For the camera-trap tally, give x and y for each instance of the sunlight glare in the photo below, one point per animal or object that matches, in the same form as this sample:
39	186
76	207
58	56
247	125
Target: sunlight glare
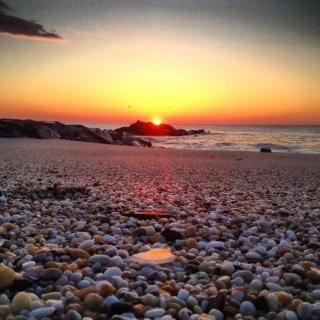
156	121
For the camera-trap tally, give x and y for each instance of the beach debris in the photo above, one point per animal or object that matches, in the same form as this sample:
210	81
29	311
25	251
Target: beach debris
158	256
148	215
265	150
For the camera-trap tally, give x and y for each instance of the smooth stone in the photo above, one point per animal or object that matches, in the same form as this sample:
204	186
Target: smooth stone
4	311
78	253
109	239
116	261
73	315
150	300
217	245
290	315
42	312
227	267
274	287
28	265
110	300
217	314
273	302
304	310
238	295
4	299
183	294
51	274
191	243
247	308
246	275
83	284
184	313
51	296
22	300
86	245
105	288
7	276
93	301
57	304
251	255
155	313
315	294
291	278
113	271
37	304
256	285
153	289
192	302
99	258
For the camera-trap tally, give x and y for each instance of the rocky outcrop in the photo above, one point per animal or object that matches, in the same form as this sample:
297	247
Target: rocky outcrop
140	128
13	128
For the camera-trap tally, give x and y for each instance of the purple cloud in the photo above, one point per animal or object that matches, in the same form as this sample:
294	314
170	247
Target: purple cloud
19	27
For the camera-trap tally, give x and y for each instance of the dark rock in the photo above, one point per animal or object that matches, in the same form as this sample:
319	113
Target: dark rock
265	150
261	304
14	128
218	302
140	128
120	307
172	235
21	284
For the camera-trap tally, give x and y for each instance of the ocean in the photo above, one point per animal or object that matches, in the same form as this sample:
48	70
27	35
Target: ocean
292	139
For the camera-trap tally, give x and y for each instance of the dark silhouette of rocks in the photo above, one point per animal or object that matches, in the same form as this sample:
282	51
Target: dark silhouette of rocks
14	128
265	150
140	128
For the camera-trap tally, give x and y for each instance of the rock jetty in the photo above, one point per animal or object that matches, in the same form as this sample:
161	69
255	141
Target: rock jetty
141	128
14	128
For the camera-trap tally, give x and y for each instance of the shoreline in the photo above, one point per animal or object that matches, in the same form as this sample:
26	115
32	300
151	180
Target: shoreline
25	139
242	229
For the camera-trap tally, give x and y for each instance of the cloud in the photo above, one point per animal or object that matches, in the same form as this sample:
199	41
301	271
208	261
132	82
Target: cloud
23	28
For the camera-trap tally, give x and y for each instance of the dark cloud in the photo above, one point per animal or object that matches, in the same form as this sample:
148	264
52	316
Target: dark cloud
19	27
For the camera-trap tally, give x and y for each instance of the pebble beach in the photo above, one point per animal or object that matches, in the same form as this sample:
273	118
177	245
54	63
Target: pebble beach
242	228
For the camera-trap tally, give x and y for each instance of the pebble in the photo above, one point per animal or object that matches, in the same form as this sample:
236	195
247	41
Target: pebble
22	300
247	308
93	301
7	276
304	310
113	272
227	267
242	250
42	312
155	313
105	288
183	294
99	258
86	245
246	275
51	274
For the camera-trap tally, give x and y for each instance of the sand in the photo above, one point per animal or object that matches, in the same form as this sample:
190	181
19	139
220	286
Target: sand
249	222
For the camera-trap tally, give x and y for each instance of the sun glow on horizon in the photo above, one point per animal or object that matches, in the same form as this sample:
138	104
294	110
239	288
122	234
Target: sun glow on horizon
156	121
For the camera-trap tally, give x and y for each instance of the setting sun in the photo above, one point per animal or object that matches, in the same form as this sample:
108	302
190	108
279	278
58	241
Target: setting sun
156	121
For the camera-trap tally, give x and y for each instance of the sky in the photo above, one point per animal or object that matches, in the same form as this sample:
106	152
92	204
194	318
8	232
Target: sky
183	61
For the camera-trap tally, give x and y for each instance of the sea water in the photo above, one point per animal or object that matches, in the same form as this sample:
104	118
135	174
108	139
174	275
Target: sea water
293	139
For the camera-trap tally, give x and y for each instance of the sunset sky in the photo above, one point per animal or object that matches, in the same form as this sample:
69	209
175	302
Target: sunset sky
184	61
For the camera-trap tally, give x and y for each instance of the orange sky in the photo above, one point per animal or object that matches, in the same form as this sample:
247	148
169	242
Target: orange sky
163	67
